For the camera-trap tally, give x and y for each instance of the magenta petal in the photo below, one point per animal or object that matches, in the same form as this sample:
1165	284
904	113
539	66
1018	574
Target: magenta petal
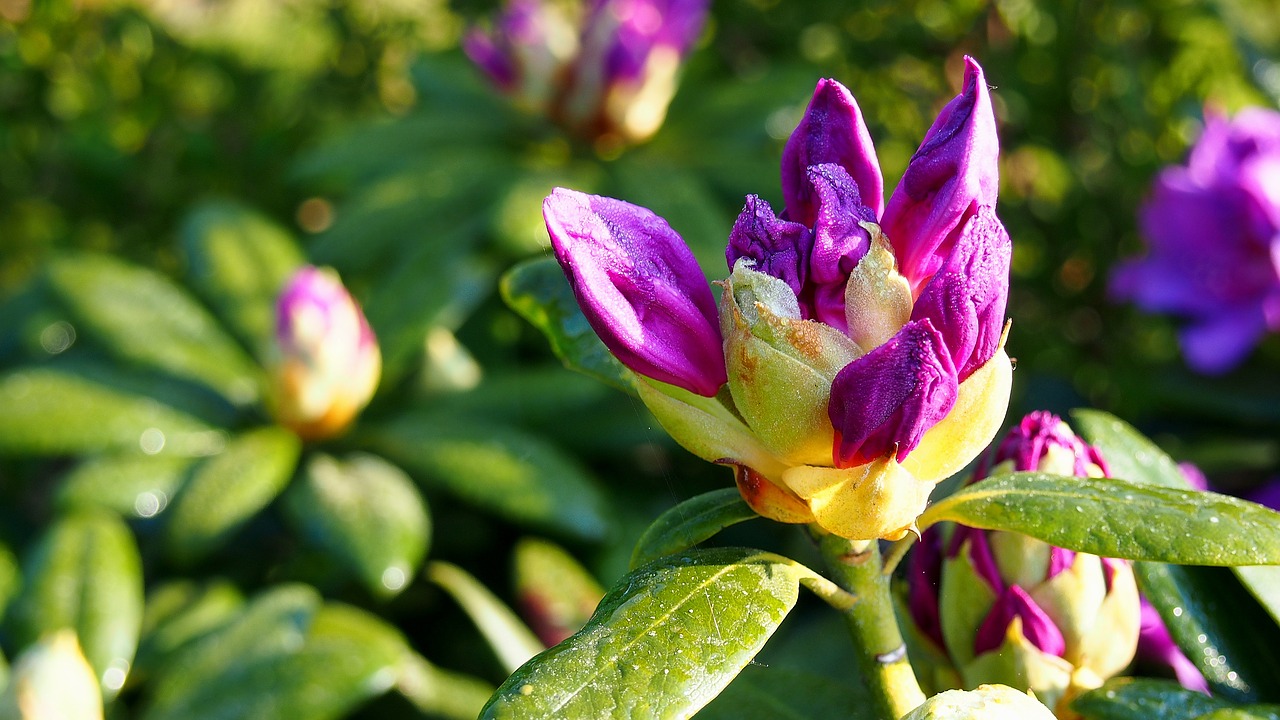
884	401
839	242
625	33
831	131
967	296
639	287
954	172
485	53
1037	627
980	556
778	247
1061	558
1157	646
924	577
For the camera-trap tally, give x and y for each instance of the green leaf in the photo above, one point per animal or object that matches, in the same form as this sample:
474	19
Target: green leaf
344	657
1218	626
664	642
505	471
145	318
538	290
763	692
136	485
180	612
510	638
441	693
556	594
51	412
1248	712
228	489
689	523
85	574
1131	455
1140	699
239	261
1119	519
366	512
10	580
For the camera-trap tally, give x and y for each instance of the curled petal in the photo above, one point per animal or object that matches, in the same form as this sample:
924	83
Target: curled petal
954	172
1155	644
1037	627
876	500
886	400
639	287
966	298
832	131
778	247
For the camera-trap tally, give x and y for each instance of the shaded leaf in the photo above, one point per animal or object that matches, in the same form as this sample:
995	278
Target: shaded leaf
180	612
556	594
1218	626
143	317
689	523
496	468
85	574
1248	712
228	489
50	411
137	485
1116	518
763	692
239	261
1141	699
538	290
441	693
510	638
368	513
664	641
1263	582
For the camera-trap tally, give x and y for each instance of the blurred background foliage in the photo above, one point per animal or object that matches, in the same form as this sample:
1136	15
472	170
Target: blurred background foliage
355	134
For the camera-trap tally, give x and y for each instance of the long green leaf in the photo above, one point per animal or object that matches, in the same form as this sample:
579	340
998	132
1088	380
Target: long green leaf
1248	712
1140	699
135	485
85	574
538	290
557	595
368	513
441	693
1231	640
664	642
511	639
179	612
228	489
689	523
1115	518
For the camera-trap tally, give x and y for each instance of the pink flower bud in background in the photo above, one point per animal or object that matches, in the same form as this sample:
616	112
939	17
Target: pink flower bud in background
327	363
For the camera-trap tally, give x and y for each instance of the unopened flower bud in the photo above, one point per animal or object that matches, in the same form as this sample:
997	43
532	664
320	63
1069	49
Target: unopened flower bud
326	364
986	702
51	680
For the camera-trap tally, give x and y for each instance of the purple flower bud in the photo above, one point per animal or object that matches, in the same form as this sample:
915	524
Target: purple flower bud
839	241
327	362
831	131
884	401
980	555
1213	235
628	31
1041	441
1037	626
639	287
954	173
924	575
777	247
1195	477
966	298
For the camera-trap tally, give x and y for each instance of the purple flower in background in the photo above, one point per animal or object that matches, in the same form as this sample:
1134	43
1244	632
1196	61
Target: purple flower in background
1000	607
1213	242
607	74
840	386
326	363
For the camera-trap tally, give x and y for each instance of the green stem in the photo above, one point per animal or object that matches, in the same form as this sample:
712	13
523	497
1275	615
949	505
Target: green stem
882	654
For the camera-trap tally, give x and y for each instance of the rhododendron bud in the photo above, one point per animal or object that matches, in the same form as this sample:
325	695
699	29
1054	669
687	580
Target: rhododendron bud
326	363
52	680
837	397
986	702
996	606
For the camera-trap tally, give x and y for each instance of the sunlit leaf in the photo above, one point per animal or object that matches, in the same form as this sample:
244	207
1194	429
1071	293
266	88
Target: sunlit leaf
368	513
511	639
439	692
85	574
664	641
137	485
538	290
1140	699
1115	518
689	523
179	612
227	489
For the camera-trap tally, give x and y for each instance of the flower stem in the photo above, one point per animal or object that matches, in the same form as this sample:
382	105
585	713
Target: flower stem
882	655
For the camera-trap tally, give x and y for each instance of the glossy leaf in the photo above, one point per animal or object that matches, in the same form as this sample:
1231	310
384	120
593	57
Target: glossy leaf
238	261
180	612
1215	622
556	594
538	290
143	317
48	411
496	468
664	641
84	574
1248	712
228	489
1142	699
510	639
1116	518
131	485
764	692
1263	582
366	512
689	523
